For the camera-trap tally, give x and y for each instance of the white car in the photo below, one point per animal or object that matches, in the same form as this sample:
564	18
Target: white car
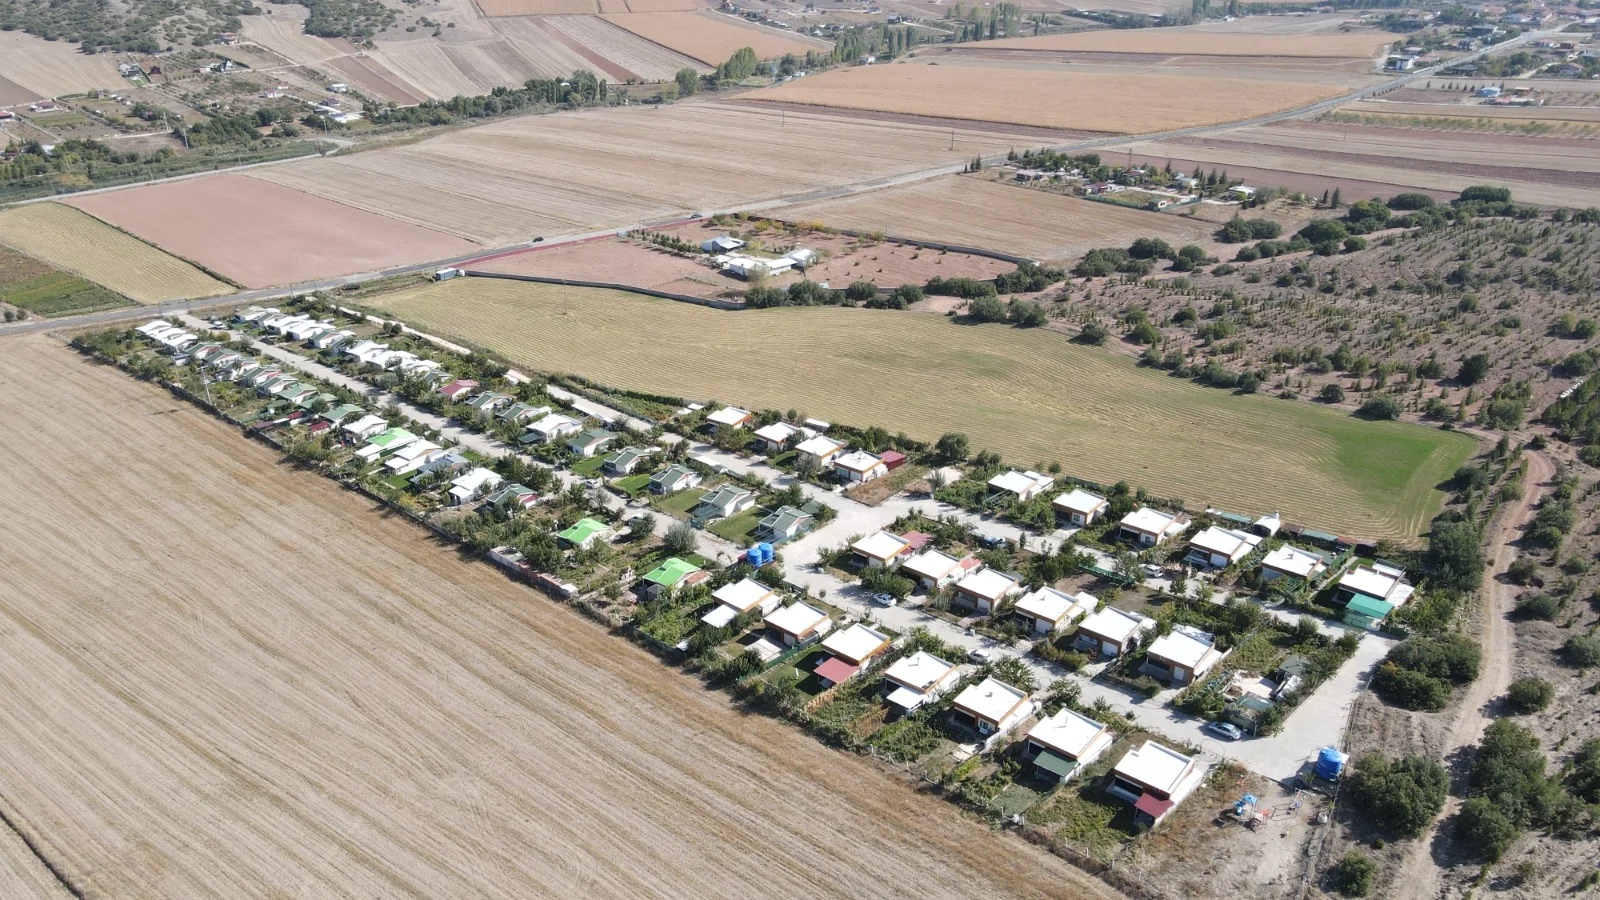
979	655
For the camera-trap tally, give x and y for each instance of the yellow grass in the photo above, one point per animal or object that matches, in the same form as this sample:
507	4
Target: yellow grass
712	37
285	35
1178	41
977	212
1119	103
185	721
1030	395
54	68
81	244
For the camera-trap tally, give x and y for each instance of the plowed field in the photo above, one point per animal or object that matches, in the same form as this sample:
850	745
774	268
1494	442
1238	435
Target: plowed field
81	244
712	37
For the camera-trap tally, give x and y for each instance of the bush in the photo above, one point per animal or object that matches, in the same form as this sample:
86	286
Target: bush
1454	658
1455	556
1331	393
1408	689
1150	248
1539	606
1380	409
1410	201
1324	231
986	309
1482	828
861	291
1486	194
1094	334
1352	875
1585	776
1473	368
1402	796
1355	244
1582	651
1530	695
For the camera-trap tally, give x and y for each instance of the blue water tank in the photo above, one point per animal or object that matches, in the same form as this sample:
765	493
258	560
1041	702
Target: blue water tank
767	552
1330	763
753	556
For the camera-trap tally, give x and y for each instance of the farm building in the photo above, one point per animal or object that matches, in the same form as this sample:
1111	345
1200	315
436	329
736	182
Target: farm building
1150	527
798	623
983	590
590	442
934	570
785	523
1066	743
1294	562
1111	631
721	244
584	533
1155	779
1218	548
747	267
472	485
674	478
990	708
916	679
1047	610
1079	507
849	652
882	550
727	500
729	417
734	600
820	449
1182	655
1023	486
775	437
858	466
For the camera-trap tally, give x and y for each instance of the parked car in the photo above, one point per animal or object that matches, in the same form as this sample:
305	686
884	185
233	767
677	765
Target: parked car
979	655
885	600
1226	730
1152	570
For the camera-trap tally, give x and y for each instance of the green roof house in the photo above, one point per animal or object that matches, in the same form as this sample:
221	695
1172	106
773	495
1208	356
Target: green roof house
727	500
671	576
786	523
590	442
340	413
674	478
584	533
624	461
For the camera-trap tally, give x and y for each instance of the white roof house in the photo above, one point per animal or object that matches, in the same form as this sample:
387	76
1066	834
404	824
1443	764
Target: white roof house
552	427
1183	654
474	484
746	266
1080	506
983	590
798	622
1111	631
722	243
858	465
1287	560
777	434
933	568
729	417
413	456
1150	526
738	598
881	548
821	447
1154	778
364	427
1378	581
916	679
1023	485
154	325
1075	740
992	707
1048	609
1221	547
856	644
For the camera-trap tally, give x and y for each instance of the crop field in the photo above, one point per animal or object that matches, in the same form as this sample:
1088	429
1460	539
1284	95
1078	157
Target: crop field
404	724
1030	395
370	76
510	181
85	246
1128	103
260	234
583	7
285	35
31	285
54	68
1187	42
712	37
977	212
1552	115
444	70
646	60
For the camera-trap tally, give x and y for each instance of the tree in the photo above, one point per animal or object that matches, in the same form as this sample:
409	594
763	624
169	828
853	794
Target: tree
861	291
1380	408
1013	671
1094	334
1455	556
688	81
1331	393
1150	248
986	309
681	539
1484	829
1402	796
1473	369
1529	694
952	446
1582	651
1352	875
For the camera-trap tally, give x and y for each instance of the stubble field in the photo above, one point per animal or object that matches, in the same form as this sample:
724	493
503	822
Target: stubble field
1188	42
54	68
79	243
977	212
187	721
1030	395
712	37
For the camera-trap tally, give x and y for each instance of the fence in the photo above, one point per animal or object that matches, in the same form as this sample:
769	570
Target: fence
608	285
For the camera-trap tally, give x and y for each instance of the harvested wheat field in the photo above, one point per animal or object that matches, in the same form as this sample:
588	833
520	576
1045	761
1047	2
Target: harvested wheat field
516	50
283	32
494	8
54	68
977	212
1096	413
646	60
261	234
184	721
1116	103
1187	42
81	244
712	37
510	181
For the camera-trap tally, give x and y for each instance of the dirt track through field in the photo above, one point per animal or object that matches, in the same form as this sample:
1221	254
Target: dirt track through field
228	679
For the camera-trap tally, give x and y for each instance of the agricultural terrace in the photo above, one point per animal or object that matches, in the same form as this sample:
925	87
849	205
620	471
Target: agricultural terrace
1115	103
1188	42
976	212
83	245
406	723
712	37
259	233
513	180
1031	396
54	68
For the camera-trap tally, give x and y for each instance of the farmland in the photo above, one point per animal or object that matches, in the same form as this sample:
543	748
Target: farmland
31	285
712	37
1030	395
549	175
85	246
404	724
494	8
1188	42
53	68
259	233
976	212
1100	102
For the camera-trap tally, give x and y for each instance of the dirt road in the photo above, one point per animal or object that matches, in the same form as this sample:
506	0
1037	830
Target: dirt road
225	678
1418	878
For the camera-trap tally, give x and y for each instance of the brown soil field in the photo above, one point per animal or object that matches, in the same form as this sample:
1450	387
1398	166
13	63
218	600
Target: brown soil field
1586	115
1186	42
583	7
22	875
12	94
517	48
259	233
976	212
713	37
648	61
371	77
81	244
1309	183
405	723
285	35
1120	103
1543	158
509	181
54	68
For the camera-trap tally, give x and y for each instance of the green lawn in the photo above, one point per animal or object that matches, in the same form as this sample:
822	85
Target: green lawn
737	529
681	503
588	466
633	485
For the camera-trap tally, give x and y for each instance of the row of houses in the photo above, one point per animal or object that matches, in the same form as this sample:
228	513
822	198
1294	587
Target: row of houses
826	454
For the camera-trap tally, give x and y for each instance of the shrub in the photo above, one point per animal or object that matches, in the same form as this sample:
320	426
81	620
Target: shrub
1331	393
1410	201
1539	606
986	309
1482	828
1354	244
1352	875
861	291
1323	231
1530	694
1402	796
1408	689
1094	334
1584	778
1455	556
1473	368
1454	658
1486	194
1380	408
1150	248
1582	651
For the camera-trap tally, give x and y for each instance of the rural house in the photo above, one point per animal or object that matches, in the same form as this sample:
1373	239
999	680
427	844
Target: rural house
1111	632
729	417
584	533
337	414
983	590
916	679
1380	581
674	478
850	651
1181	655
935	571
775	437
472	485
459	388
721	244
734	600
1293	562
453	461
512	499
727	500
624	461
385	442
797	623
1154	778
590	442
820	449
517	413
1021	486
489	401
1218	548
1080	508
858	466
552	427
1149	527
1065	744
881	550
990	708
364	427
672	576
785	523
412	457
332	340
1047	610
